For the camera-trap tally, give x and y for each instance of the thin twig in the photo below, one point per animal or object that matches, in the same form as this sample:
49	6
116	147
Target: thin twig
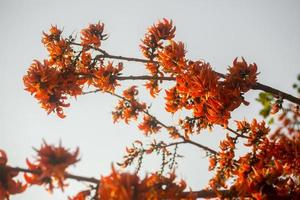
236	133
169	127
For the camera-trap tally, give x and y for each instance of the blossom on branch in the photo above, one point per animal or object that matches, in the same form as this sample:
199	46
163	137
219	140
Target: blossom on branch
128	107
8	185
149	125
172	58
50	166
104	77
163	30
93	35
81	195
59	49
269	170
123	186
241	75
51	86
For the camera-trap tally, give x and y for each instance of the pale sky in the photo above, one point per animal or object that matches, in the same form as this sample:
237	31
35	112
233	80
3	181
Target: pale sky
264	32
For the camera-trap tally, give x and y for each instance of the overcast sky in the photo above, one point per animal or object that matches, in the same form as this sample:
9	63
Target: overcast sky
264	32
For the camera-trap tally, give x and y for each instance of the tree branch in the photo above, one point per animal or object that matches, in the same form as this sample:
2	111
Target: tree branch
276	93
67	175
199	194
145	77
236	133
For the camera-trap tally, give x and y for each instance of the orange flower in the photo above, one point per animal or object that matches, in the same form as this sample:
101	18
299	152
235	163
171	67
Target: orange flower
258	132
152	68
243	126
8	186
123	186
60	53
104	77
153	87
81	195
163	187
127	110
86	58
51	86
129	107
41	81
241	75
173	100
54	35
172	58
93	35
130	93
199	81
200	89
51	164
149	125
163	30
118	186
212	163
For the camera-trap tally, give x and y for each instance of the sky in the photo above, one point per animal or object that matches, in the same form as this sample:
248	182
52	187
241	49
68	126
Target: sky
264	32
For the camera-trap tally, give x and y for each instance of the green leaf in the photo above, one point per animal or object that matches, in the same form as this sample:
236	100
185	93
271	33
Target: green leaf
271	121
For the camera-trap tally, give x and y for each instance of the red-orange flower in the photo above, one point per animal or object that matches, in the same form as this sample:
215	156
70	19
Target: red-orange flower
163	30
199	89
149	125
51	164
86	58
51	86
172	58
104	77
128	107
53	36
60	53
8	185
241	75
59	49
81	195
93	35
153	87
123	186
173	100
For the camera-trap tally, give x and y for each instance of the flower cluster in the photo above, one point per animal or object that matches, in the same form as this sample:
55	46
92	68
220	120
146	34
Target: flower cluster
8	185
59	49
66	71
198	87
211	99
50	166
153	40
241	76
153	48
270	170
104	77
51	87
118	186
92	36
149	125
172	58
81	195
128	107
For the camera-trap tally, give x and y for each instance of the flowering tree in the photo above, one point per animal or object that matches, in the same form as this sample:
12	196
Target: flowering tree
269	168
